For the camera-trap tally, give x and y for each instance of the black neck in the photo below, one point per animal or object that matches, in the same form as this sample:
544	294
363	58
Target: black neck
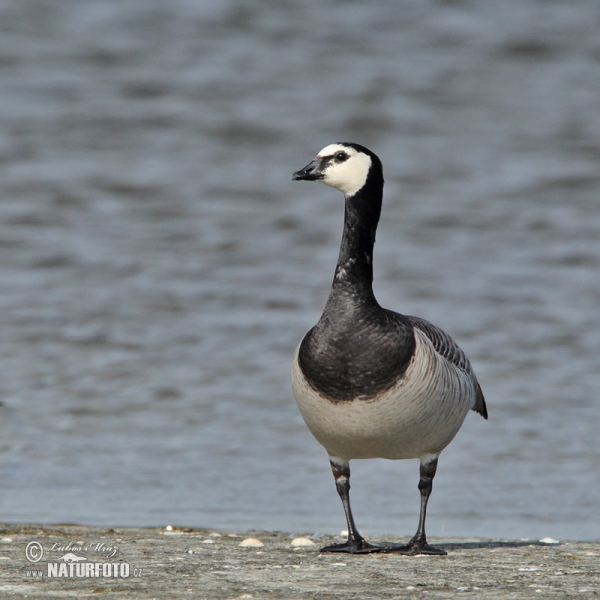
354	270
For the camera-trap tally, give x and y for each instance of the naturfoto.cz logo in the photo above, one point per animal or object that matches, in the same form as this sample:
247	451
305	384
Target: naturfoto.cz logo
74	564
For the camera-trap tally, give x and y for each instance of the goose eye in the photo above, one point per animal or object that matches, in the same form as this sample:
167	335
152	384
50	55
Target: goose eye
341	156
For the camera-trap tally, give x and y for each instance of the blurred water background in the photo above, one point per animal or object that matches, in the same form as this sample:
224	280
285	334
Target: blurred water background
158	266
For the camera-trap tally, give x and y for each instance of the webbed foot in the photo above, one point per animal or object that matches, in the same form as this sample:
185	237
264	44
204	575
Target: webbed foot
360	546
415	547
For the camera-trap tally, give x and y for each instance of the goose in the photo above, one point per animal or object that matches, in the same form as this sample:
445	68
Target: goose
370	382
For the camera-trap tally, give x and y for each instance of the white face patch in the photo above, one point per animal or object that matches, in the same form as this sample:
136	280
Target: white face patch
348	176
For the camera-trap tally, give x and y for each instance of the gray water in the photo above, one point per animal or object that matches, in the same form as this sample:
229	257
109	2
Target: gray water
158	266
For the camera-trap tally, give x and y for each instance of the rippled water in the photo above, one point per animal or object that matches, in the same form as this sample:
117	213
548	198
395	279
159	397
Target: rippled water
158	266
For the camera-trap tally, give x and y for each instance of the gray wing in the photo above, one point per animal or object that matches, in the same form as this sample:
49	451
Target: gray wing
445	346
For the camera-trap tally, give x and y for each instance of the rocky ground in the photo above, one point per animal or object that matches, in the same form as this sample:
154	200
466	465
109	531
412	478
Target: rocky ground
72	561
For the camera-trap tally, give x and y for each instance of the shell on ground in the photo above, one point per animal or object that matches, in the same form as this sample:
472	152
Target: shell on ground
301	542
251	543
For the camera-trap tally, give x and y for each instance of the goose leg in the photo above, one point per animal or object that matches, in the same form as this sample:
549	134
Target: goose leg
418	544
355	544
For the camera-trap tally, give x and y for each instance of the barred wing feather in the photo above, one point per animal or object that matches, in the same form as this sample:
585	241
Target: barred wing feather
445	346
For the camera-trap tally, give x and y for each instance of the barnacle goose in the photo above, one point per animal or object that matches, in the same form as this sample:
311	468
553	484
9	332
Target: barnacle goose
369	382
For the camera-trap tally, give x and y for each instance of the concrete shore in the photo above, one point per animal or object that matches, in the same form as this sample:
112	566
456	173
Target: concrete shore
76	561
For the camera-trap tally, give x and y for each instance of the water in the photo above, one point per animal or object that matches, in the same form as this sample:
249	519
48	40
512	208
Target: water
158	266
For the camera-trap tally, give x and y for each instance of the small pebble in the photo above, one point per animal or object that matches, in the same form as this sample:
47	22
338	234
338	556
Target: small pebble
7	540
208	541
215	534
251	543
302	541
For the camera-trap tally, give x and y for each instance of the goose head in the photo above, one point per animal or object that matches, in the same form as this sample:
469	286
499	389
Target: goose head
346	167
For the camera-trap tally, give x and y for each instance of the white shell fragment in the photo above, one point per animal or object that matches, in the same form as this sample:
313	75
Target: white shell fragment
251	543
300	542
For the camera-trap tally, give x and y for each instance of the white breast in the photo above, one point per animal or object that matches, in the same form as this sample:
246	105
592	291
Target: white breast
419	416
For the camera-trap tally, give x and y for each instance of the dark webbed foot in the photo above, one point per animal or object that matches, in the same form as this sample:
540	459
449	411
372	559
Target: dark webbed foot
415	547
359	546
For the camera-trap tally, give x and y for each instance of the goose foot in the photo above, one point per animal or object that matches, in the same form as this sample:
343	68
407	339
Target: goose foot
413	548
359	546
